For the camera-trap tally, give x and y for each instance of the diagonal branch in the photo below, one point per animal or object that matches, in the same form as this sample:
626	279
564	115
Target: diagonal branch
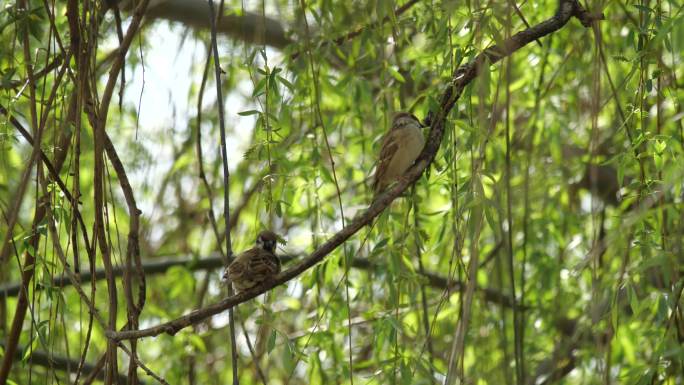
54	174
460	79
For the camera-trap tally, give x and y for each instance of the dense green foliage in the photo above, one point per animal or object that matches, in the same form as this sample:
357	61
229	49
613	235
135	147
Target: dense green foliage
560	174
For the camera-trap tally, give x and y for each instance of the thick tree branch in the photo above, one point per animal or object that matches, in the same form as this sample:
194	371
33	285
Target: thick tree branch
250	27
215	262
460	79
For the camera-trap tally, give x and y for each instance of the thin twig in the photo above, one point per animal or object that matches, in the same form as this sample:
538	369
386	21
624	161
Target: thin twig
27	273
319	117
52	169
421	269
517	322
350	35
14	84
200	162
226	178
257	366
94	311
35	152
49	359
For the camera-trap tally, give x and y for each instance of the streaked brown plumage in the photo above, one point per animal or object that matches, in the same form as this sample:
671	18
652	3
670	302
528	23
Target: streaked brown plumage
256	265
400	148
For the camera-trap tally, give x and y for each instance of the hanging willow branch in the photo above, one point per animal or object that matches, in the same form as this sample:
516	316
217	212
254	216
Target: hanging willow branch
460	79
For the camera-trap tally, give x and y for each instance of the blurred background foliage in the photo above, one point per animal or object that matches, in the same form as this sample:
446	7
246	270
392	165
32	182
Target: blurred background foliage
560	168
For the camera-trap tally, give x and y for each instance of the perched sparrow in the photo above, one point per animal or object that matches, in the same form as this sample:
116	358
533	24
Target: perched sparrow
400	148
255	265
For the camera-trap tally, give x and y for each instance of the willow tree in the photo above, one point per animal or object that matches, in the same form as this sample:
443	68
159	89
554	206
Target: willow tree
536	239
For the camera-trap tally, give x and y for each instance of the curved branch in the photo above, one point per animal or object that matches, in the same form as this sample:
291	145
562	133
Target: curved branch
460	79
249	27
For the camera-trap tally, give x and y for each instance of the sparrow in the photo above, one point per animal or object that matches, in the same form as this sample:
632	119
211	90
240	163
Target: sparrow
400	148
256	265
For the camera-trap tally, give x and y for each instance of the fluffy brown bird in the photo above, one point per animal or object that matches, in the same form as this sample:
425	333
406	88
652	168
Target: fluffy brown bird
400	148
256	265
